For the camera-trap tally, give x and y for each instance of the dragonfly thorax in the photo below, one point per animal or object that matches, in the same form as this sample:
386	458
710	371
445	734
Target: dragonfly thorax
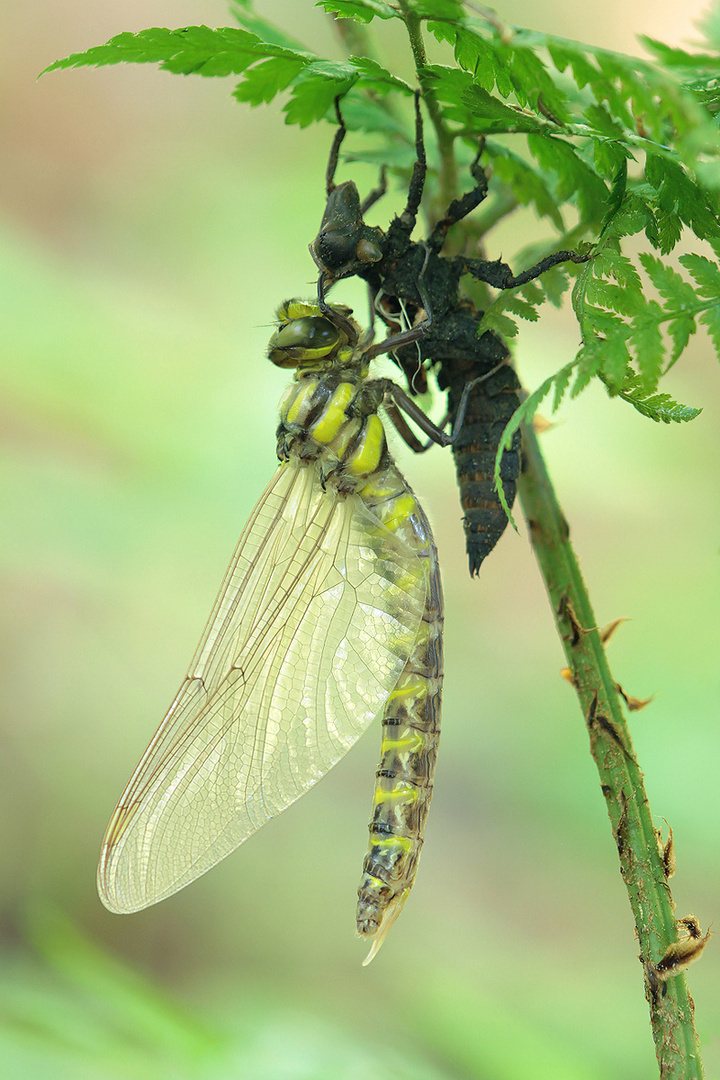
328	414
331	419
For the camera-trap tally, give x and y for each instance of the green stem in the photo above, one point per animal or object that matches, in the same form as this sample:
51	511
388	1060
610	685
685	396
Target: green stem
641	860
448	187
354	37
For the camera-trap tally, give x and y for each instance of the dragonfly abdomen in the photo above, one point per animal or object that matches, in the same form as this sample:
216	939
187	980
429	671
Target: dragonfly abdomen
333	422
411	731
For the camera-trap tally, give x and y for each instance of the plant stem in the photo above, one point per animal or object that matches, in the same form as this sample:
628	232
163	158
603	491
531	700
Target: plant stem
641	858
448	187
354	36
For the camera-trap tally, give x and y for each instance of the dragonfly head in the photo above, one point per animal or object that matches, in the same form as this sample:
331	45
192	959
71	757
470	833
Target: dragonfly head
308	340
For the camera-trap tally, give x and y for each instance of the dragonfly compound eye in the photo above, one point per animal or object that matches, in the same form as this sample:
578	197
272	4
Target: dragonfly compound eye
303	340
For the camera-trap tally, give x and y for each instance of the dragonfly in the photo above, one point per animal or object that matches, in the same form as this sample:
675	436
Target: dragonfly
330	615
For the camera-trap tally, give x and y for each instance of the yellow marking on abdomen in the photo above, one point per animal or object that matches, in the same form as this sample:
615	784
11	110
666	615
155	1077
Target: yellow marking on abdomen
398	511
402	792
384	486
411	686
415	742
404	843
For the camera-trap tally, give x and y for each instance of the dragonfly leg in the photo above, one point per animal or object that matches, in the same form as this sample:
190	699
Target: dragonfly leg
398	402
500	276
417	180
460	208
414	333
335	149
377	193
372	197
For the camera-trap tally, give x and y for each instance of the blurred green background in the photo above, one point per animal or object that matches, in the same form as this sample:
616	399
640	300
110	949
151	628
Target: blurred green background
149	225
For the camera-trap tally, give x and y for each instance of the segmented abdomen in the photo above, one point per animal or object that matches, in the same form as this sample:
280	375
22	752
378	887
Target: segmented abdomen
411	731
333	421
490	406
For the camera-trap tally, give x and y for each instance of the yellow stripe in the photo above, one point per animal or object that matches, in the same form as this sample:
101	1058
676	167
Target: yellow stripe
300	401
118	824
415	742
376	882
415	686
333	415
402	842
404	792
409	580
304	354
346	435
398	511
366	458
384	486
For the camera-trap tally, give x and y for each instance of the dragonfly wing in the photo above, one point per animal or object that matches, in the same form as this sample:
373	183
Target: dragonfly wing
313	624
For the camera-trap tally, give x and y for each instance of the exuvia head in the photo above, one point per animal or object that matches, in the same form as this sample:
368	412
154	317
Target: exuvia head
307	338
344	239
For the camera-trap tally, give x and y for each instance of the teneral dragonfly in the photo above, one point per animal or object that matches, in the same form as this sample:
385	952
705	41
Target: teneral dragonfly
330	614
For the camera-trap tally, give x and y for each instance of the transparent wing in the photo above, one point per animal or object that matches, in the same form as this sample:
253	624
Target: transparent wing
311	629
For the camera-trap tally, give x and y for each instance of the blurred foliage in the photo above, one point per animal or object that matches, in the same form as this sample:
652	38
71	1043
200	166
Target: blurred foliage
77	1007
